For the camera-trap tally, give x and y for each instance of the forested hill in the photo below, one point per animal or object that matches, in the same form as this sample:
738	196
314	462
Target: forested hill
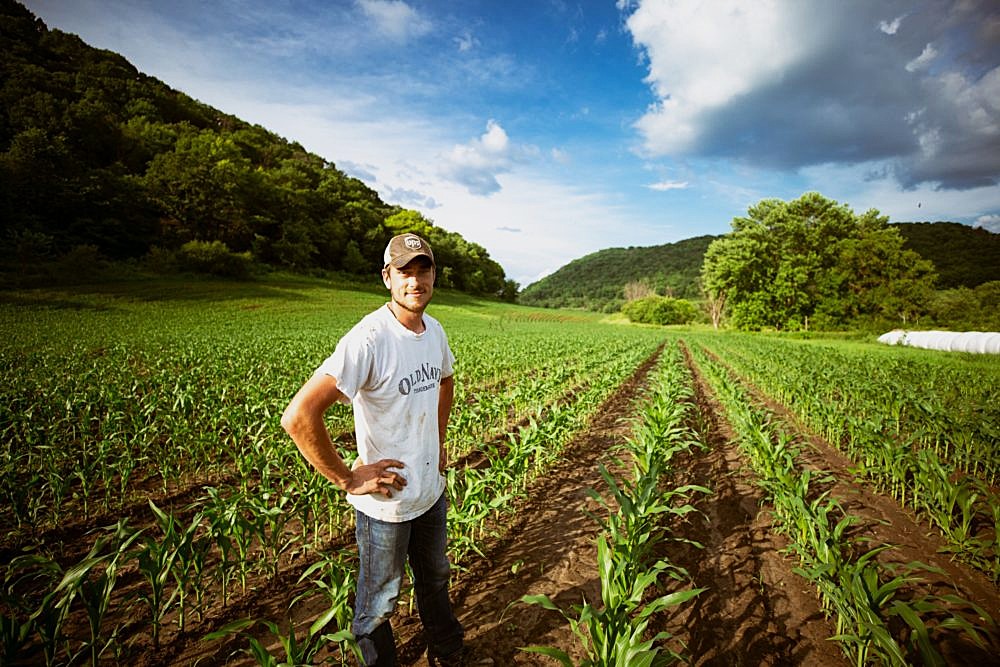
597	281
963	257
95	154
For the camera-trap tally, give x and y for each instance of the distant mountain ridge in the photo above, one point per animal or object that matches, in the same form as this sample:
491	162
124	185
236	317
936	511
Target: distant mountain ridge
964	256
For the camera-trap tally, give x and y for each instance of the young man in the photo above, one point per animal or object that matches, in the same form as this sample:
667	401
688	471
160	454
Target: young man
395	368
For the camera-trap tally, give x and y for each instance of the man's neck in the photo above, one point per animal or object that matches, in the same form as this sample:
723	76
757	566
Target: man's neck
409	319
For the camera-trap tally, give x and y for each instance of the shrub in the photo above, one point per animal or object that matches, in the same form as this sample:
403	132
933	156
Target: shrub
215	258
82	259
160	260
660	310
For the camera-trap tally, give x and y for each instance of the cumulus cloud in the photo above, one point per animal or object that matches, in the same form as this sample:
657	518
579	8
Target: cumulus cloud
701	60
395	19
476	164
919	97
990	222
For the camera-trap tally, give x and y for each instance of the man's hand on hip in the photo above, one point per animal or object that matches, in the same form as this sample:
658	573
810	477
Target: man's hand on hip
376	478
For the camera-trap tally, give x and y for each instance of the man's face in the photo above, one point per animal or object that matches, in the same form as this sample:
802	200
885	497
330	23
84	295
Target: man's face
412	285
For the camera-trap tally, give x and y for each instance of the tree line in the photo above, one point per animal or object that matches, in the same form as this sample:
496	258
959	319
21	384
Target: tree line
811	263
97	155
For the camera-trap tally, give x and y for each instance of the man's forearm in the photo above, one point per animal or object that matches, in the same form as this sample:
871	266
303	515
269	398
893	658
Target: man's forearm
314	443
446	397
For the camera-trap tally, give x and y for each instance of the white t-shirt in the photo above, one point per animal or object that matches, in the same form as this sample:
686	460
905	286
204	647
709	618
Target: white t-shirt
392	376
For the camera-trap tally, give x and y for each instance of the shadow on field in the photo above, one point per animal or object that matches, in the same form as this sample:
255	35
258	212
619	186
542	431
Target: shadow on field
102	296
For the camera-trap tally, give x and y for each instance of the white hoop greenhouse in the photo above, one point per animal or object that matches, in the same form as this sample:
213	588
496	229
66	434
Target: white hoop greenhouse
980	342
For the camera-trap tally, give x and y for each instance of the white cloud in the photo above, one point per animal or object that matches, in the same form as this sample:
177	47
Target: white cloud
477	164
891	27
702	60
465	42
395	19
410	198
560	156
663	186
990	222
923	60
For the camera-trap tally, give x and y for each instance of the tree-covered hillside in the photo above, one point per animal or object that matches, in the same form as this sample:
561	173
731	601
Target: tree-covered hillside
962	256
95	154
597	281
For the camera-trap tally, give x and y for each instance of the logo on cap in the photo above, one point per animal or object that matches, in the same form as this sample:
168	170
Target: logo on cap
412	242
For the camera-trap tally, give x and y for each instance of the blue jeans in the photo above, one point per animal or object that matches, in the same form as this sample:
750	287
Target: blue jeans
382	549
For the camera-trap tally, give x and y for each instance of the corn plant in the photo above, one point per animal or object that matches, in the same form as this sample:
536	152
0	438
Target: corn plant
614	635
23	621
296	651
93	582
335	581
157	562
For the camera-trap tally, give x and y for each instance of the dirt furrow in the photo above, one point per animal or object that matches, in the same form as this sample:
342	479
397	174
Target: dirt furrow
881	520
756	611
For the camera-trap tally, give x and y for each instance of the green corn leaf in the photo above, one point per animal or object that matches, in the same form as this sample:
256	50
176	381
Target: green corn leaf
229	629
554	653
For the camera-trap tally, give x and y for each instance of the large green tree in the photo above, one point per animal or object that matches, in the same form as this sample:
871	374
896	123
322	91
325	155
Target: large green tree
813	262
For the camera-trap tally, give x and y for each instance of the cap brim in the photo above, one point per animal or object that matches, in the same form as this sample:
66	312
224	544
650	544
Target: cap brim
403	260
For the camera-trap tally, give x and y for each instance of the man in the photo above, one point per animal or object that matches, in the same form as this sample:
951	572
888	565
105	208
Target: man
395	368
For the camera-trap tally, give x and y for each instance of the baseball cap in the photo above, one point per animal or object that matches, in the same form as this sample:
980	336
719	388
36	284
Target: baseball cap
404	248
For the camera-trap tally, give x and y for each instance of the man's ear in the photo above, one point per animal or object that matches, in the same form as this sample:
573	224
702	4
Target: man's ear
385	278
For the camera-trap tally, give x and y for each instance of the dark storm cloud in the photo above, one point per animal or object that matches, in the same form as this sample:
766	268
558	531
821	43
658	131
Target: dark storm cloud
916	86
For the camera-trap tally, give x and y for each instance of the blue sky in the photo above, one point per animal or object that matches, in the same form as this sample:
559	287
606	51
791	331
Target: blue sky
548	129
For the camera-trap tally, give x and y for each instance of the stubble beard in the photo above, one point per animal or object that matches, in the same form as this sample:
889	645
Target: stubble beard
415	311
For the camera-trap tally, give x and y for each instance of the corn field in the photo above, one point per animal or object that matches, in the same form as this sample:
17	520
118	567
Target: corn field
153	509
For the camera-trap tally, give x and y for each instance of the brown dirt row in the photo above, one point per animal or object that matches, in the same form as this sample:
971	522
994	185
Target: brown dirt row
883	521
756	611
